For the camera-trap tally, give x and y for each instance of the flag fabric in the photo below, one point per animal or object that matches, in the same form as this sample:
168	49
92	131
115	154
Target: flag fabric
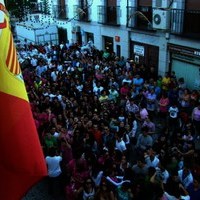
22	162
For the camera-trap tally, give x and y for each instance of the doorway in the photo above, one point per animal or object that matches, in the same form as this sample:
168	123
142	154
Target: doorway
118	51
62	34
108	44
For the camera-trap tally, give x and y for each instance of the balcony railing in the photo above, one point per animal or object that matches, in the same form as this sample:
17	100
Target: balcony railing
60	12
43	8
109	15
81	14
38	8
139	17
185	22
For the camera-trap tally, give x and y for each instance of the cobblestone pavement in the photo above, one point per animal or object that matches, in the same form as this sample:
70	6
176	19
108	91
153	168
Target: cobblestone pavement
40	192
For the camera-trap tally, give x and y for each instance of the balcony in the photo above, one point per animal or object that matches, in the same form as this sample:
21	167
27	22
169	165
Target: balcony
139	18
81	14
37	8
60	12
185	23
43	8
109	15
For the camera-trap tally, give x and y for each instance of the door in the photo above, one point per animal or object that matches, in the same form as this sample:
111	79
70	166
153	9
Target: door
111	13
79	38
190	73
62	9
62	34
108	44
118	51
89	36
152	56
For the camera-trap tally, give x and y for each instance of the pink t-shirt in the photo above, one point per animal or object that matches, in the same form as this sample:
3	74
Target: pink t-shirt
164	101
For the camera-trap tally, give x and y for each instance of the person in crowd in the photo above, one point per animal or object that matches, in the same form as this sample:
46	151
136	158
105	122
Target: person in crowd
151	158
97	89
163	104
132	130
103	97
144	140
162	172
151	102
131	107
140	169
108	137
166	82
120	143
88	190
50	141
124	192
143	113
53	162
138	82
113	94
173	116
185	100
105	191
127	80
194	188
150	124
78	172
196	119
124	92
185	176
174	189
40	69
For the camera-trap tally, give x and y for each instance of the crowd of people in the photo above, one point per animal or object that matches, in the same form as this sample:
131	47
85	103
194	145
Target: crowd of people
112	129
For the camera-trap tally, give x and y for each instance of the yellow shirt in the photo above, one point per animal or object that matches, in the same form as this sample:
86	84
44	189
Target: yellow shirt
165	83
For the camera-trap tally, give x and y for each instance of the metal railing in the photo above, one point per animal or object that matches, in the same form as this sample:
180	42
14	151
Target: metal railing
81	14
109	15
60	12
38	8
139	17
185	22
181	22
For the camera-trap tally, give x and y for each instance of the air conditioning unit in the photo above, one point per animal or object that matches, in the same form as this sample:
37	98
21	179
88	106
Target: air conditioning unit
161	19
161	3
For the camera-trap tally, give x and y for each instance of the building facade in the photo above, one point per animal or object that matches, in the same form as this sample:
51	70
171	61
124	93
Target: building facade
161	34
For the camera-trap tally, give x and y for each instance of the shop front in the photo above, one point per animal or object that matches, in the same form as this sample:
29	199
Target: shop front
144	54
185	61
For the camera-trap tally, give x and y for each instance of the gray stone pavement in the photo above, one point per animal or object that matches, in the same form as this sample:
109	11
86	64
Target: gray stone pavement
40	192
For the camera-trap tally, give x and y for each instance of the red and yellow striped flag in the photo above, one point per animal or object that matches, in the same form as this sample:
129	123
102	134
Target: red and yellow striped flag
22	162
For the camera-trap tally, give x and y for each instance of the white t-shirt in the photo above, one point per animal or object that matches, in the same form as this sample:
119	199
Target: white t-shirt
97	179
34	62
56	134
121	146
170	197
87	196
173	112
53	165
152	163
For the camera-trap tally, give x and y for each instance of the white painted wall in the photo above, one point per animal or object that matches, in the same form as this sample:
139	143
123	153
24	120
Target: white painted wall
126	35
36	32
